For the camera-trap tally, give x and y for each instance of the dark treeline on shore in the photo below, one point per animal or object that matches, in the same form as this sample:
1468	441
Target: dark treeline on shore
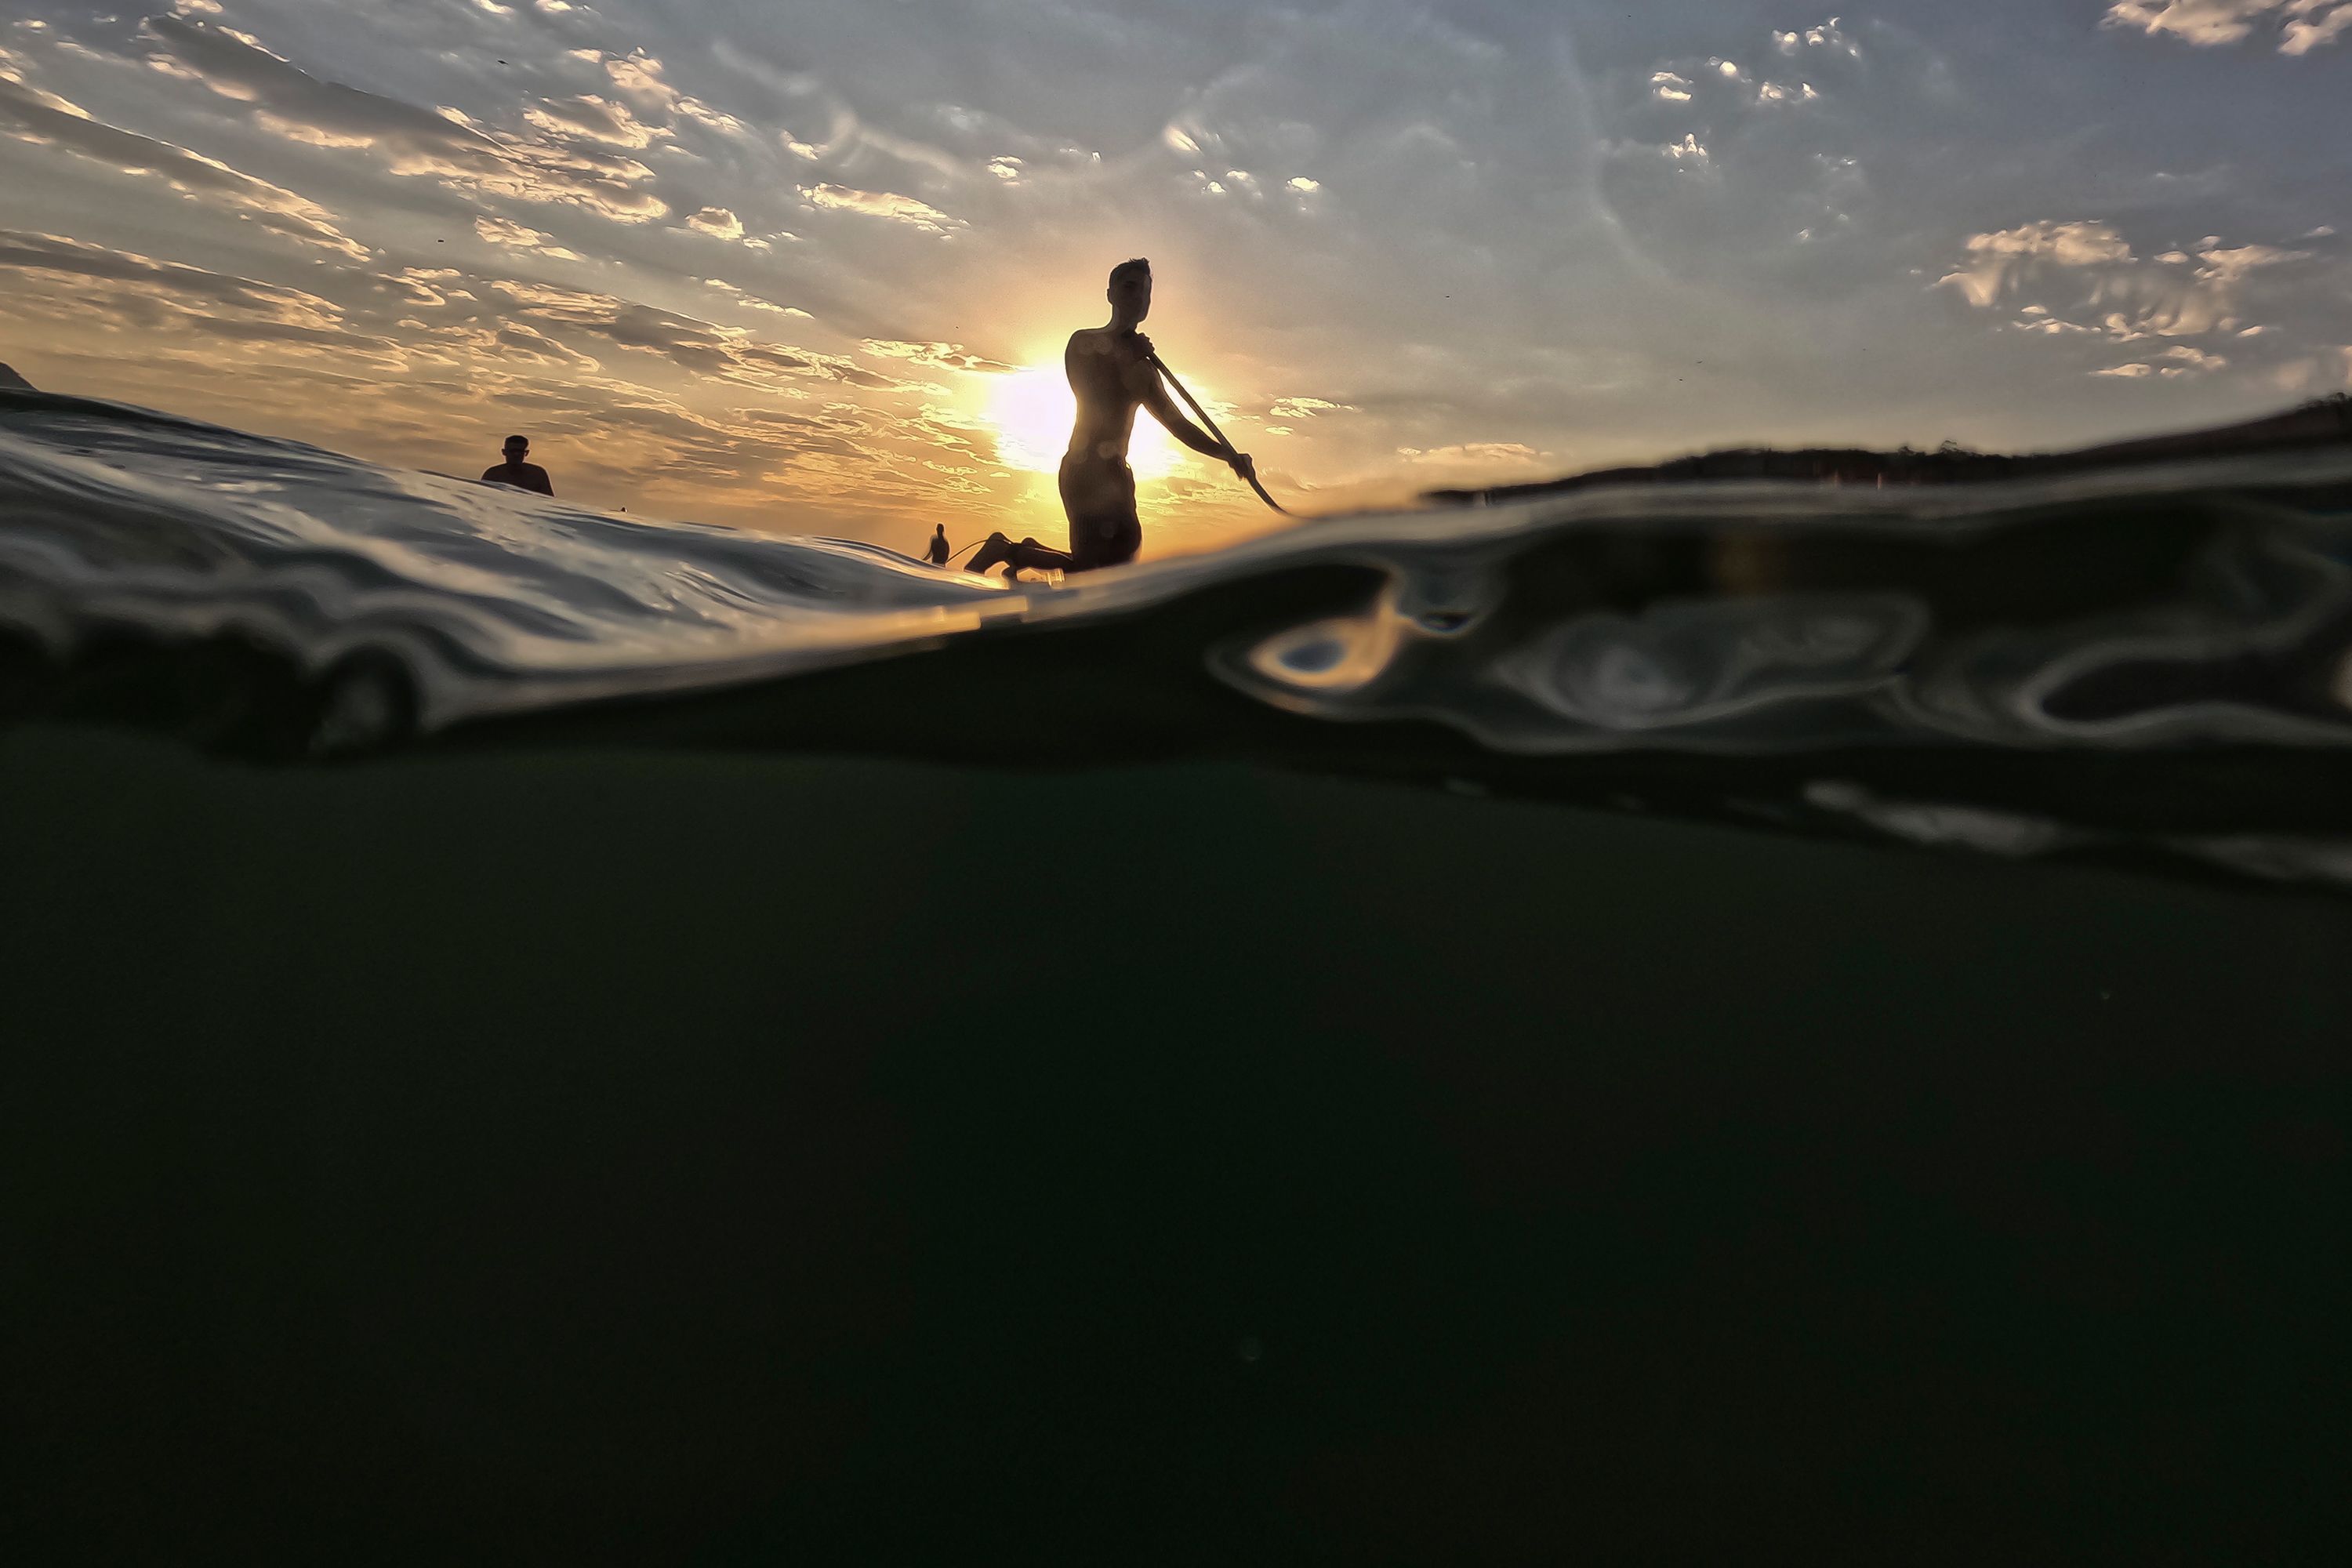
2324	422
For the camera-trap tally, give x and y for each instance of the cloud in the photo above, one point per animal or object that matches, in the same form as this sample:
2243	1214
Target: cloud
753	301
937	356
1304	408
2201	22
519	339
2094	282
469	347
882	204
43	118
511	236
2303	25
597	118
294	102
64	279
1998	261
1718	81
2186	359
703	348
2300	36
1482	453
2180	360
283	98
641	78
2230	266
1741	170
57	254
718	223
1828	37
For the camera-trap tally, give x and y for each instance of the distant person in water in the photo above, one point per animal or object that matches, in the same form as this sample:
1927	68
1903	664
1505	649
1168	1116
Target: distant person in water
1111	371
936	551
517	473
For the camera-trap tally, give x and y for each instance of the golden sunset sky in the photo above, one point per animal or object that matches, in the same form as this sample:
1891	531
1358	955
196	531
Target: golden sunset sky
808	267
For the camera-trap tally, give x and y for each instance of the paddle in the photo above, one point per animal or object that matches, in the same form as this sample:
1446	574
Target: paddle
1202	415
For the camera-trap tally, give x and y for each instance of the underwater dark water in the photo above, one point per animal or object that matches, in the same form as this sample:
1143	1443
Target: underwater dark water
528	1037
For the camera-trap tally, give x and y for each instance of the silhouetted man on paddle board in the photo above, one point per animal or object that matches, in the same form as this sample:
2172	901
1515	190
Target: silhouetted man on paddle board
516	473
1111	371
936	551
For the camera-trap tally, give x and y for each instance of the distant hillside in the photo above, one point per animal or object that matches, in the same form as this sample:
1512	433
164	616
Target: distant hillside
12	381
2322	422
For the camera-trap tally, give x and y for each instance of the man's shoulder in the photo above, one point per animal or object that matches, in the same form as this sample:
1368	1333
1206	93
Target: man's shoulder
495	471
532	469
1102	341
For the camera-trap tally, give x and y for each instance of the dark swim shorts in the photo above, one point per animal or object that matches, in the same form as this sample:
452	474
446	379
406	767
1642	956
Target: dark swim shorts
1098	494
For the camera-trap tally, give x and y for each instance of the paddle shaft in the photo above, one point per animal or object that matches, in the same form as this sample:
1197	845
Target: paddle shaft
1202	415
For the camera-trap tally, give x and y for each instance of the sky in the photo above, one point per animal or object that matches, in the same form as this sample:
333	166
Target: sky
808	267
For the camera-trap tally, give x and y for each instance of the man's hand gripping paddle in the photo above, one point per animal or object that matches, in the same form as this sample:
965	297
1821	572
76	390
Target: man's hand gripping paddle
1210	426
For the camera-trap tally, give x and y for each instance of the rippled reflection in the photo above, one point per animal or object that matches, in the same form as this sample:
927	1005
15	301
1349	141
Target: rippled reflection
2181	612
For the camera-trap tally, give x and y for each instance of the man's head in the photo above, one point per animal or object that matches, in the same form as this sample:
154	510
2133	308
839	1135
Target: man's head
516	449
1130	291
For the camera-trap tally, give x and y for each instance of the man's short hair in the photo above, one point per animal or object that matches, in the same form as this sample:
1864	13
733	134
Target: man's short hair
516	441
1137	267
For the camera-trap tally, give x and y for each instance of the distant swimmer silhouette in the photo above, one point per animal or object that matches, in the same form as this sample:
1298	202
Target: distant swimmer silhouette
1113	372
517	473
936	551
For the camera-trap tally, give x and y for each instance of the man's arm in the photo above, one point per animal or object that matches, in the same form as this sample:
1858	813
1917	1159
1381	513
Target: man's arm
539	482
1154	393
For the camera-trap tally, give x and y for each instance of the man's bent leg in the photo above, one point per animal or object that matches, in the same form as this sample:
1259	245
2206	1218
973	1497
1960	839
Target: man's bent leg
988	554
1031	556
1027	554
1098	497
1113	545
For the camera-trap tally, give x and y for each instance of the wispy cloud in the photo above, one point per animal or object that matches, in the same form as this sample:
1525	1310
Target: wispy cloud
586	114
33	115
2301	25
283	98
937	356
2085	276
2000	260
1474	454
716	222
2178	360
881	203
1829	36
118	291
723	354
509	234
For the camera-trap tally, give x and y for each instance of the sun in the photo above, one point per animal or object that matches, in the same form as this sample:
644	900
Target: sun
1032	411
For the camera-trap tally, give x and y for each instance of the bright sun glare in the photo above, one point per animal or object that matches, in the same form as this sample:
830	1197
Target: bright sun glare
1032	411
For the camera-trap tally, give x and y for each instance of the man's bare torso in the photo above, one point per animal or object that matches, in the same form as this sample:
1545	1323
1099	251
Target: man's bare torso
1111	376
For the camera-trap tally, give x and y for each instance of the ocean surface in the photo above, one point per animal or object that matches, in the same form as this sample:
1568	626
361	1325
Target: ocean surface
2152	665
1702	1025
